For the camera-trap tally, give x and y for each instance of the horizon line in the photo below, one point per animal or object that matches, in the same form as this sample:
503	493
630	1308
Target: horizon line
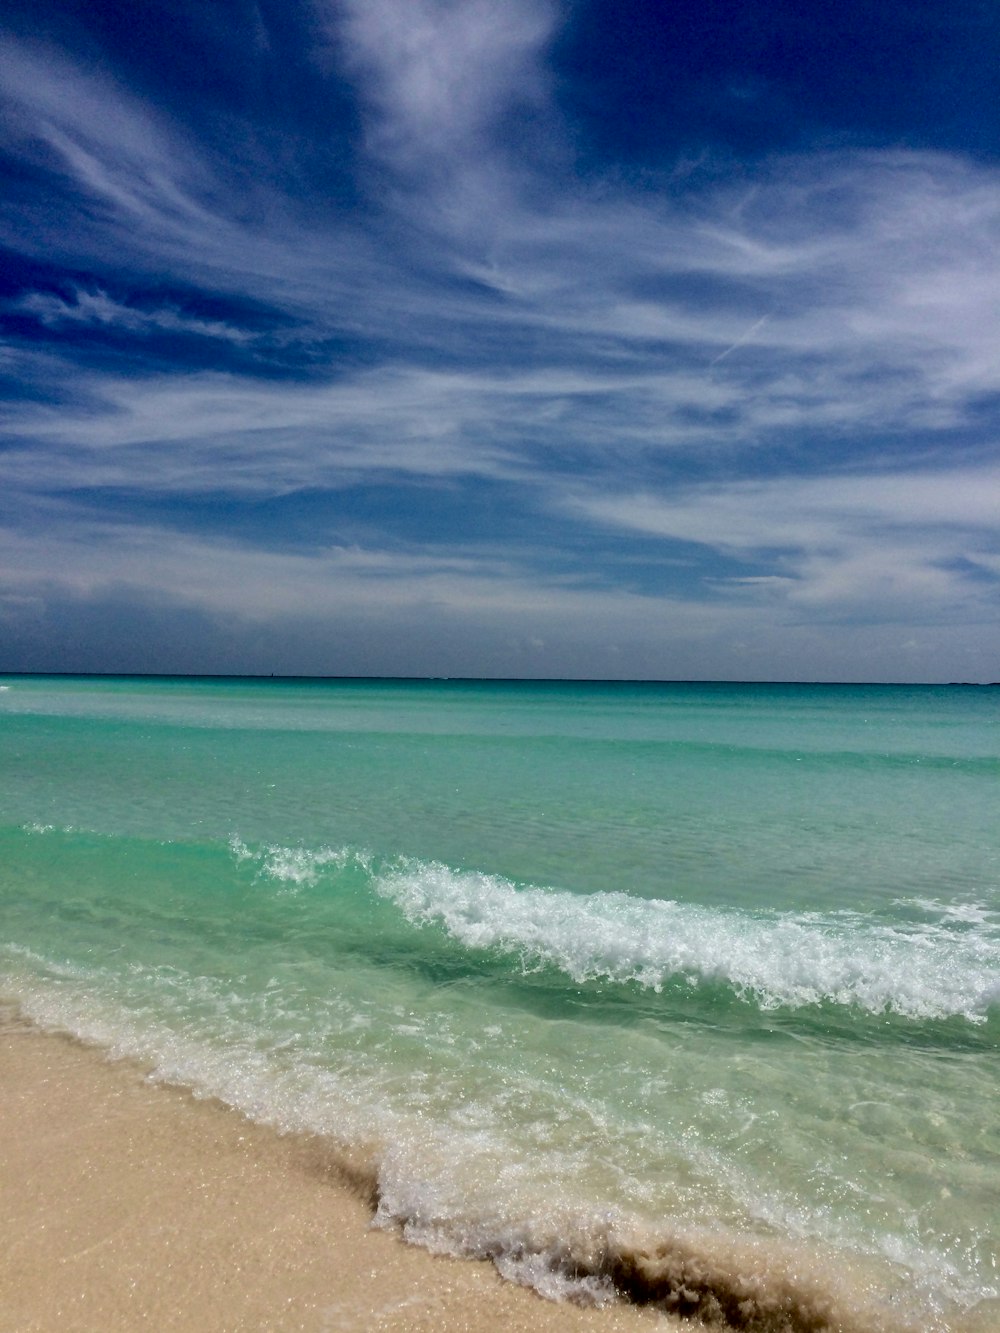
484	680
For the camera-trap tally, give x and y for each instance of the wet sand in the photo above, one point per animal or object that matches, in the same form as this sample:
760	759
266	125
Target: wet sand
125	1204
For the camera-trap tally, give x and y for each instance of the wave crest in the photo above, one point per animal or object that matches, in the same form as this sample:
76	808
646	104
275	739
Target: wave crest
945	964
927	970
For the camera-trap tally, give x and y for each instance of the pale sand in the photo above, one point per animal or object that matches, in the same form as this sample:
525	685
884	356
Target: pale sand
126	1205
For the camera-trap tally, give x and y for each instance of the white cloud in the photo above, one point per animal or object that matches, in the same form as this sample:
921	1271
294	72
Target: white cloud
895	545
508	318
438	73
137	193
91	558
98	308
797	511
433	614
217	431
879	314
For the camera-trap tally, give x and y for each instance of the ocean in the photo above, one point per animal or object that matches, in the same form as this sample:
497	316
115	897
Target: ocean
690	991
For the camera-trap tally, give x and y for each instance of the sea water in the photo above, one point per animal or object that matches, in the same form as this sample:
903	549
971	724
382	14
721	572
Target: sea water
689	991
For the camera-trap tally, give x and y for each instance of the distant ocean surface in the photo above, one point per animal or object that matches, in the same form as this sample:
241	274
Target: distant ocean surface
690	988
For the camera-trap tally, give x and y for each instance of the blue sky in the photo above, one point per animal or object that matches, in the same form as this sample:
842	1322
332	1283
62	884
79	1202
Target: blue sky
501	337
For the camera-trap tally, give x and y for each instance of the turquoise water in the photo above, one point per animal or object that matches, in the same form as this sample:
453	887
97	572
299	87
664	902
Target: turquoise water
699	978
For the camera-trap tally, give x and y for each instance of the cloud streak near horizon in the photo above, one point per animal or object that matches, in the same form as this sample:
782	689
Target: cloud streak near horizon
342	338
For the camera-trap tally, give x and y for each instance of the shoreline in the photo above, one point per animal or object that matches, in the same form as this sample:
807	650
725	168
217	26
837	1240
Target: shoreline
126	1202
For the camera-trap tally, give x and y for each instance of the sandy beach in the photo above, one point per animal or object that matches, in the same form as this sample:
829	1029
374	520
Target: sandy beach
126	1204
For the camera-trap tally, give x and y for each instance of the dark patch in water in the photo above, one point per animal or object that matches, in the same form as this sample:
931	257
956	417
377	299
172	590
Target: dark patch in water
694	1286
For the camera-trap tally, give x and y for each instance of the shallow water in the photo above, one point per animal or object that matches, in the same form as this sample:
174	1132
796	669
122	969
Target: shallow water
709	974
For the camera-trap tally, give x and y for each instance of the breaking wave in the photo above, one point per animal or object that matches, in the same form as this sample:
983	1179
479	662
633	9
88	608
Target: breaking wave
944	964
927	970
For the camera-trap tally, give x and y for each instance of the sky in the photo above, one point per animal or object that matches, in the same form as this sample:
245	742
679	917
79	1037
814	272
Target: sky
510	338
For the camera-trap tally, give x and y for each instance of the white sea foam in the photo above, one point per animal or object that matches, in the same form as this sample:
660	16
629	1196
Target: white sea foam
972	914
297	866
775	960
933	969
457	1187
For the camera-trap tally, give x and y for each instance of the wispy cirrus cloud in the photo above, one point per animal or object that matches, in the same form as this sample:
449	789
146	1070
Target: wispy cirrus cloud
874	283
438	75
796	511
775	387
99	309
358	610
847	545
